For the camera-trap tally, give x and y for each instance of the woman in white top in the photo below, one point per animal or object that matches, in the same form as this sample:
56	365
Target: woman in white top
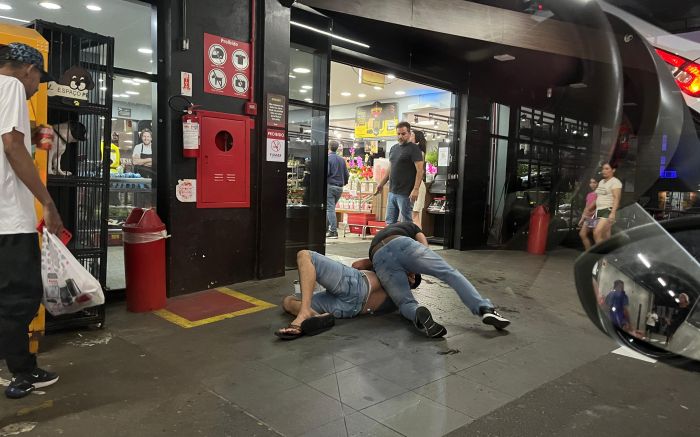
607	202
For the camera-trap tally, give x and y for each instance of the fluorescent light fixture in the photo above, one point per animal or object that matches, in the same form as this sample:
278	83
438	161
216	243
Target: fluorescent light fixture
100	80
390	76
93	8
308	100
145	51
306	87
103	88
578	85
5	7
400	93
137	80
50	5
677	300
345	94
448	140
114	119
129	81
644	260
362	95
303	91
378	88
671	293
661	281
301	70
504	57
19	20
292	76
323	32
133	93
128	142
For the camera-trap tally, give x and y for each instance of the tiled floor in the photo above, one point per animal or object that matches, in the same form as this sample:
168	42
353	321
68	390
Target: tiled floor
373	376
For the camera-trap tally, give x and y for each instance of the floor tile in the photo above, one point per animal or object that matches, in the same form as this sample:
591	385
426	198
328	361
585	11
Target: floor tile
466	396
410	370
358	388
354	425
413	415
308	366
508	378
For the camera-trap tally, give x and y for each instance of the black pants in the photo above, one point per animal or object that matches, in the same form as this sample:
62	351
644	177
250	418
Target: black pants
20	295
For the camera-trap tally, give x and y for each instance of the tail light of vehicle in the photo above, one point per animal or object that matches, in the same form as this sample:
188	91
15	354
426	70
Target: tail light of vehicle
686	72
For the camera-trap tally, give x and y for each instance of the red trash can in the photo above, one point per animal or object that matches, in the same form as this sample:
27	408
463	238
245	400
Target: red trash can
144	261
537	235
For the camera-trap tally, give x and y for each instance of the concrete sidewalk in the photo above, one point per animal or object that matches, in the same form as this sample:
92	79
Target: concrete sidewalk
374	375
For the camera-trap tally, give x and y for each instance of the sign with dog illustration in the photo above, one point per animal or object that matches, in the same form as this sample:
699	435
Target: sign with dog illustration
74	83
226	66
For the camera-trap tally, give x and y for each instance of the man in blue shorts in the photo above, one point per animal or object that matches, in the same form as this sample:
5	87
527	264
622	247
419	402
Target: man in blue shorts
348	293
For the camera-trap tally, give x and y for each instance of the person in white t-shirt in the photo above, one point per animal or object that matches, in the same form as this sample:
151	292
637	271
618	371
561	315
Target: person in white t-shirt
607	202
21	72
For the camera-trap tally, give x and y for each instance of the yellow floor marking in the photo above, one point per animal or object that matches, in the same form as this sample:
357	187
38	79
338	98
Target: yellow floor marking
260	305
29	410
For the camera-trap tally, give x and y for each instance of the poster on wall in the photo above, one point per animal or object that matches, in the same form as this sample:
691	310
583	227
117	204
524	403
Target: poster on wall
275	145
377	120
276	111
226	66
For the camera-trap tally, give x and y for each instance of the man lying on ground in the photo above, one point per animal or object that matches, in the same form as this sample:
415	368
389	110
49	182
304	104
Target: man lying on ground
401	248
348	293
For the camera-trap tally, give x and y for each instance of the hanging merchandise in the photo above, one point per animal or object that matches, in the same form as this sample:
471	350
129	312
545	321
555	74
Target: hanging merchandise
68	287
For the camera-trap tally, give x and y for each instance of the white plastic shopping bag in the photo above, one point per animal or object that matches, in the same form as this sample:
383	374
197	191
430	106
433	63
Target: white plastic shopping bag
68	287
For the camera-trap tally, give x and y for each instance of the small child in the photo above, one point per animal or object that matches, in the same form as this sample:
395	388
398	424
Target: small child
588	220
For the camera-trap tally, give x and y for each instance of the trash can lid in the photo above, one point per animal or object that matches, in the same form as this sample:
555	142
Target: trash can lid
141	221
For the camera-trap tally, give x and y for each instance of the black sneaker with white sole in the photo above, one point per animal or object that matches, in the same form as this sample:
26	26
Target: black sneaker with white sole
491	317
22	385
332	235
424	323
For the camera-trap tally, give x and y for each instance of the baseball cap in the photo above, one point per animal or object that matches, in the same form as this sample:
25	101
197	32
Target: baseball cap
19	52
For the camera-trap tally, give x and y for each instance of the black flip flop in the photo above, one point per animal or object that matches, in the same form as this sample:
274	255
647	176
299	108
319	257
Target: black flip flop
317	324
289	335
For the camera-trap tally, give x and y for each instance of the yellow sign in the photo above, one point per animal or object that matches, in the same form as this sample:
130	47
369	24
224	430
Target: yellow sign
372	78
377	120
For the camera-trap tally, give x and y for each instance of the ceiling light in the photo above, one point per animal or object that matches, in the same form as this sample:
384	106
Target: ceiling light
323	32
303	91
661	281
677	300
644	260
400	93
292	76
307	87
100	80
378	88
301	70
308	100
93	8
671	293
362	95
145	51
578	85
103	88
390	76
49	5
19	20
129	81
114	119
504	57
5	7
139	80
133	93
123	96
128	142
345	94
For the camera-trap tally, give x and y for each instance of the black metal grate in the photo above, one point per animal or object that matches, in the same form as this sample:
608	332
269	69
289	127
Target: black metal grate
81	189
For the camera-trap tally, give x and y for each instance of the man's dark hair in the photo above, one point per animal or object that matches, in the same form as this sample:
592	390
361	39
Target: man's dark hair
146	131
333	145
405	124
618	282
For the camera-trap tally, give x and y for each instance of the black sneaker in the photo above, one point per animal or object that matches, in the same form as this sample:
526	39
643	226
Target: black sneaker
332	235
424	323
22	385
491	317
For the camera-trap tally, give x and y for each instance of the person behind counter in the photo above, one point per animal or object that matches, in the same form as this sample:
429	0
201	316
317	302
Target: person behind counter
142	156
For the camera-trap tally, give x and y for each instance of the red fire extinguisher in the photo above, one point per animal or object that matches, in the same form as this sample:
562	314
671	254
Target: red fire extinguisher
537	235
190	133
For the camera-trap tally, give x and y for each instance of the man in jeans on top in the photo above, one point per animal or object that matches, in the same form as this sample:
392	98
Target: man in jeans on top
404	175
338	176
401	248
21	71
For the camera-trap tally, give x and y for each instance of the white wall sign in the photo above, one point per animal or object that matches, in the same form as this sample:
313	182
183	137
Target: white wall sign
186	190
275	145
443	156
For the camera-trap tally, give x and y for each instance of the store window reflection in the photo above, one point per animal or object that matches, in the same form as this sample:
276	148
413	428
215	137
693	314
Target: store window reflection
133	163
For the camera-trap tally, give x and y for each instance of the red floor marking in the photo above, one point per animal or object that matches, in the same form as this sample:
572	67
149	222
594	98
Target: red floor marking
205	304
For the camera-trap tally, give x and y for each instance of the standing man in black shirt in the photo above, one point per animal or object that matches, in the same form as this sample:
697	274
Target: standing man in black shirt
402	248
338	176
404	175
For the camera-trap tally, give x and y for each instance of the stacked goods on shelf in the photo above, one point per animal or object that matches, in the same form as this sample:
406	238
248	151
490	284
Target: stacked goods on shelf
357	220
